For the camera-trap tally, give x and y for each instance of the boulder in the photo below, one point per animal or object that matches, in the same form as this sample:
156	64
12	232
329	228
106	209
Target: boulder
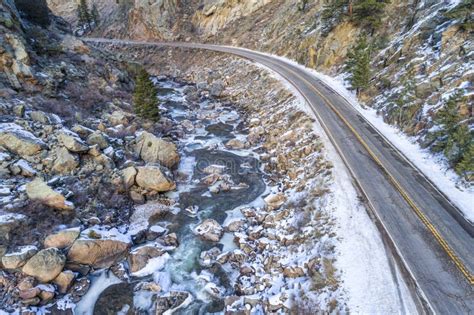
118	118
44	118
8	223
72	141
19	141
98	138
143	214
217	88
62	239
45	265
171	301
98	253
64	281
128	176
39	190
65	162
154	177
139	257
17	259
209	230
235	144
152	149
275	201
24	168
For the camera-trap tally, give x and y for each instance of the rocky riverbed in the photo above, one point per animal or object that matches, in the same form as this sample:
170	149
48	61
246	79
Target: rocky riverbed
214	214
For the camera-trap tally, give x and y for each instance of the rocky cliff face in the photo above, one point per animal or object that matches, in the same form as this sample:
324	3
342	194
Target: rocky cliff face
421	51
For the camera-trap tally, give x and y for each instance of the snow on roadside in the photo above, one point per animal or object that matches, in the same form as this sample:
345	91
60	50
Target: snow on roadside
432	166
367	279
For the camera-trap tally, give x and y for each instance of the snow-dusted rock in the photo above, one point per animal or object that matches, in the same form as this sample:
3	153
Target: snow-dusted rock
24	168
72	141
37	189
209	230
62	239
154	177
19	258
235	144
139	257
19	141
153	149
65	162
102	251
97	137
45	118
45	265
64	281
128	176
172	301
274	201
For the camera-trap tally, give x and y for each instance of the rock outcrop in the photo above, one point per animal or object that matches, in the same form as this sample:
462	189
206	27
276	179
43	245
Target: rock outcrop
154	177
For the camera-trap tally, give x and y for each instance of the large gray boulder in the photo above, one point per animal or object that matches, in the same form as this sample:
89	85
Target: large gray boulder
19	141
154	177
18	258
45	265
153	149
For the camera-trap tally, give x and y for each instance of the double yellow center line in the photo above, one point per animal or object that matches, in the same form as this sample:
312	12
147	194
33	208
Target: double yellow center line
449	251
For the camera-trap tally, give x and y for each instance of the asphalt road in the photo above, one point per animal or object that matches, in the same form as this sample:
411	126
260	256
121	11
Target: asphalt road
428	236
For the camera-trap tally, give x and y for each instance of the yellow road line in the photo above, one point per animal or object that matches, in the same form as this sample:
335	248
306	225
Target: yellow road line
457	261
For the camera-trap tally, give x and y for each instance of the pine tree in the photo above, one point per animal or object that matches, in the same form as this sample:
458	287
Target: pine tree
95	15
454	138
369	13
83	14
333	13
145	97
466	166
358	65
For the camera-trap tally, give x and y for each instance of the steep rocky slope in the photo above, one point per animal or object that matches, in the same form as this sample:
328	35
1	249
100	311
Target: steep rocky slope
421	51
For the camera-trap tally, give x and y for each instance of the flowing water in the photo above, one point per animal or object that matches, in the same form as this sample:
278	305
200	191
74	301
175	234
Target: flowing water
213	124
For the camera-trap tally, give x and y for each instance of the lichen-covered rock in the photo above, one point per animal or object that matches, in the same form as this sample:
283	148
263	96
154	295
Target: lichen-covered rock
37	189
153	149
19	141
18	258
45	265
98	253
154	177
62	239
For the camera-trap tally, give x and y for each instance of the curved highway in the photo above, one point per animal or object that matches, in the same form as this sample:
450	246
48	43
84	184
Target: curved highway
431	241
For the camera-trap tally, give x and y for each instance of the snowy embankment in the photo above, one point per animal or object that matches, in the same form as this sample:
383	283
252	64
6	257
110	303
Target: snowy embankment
433	166
367	278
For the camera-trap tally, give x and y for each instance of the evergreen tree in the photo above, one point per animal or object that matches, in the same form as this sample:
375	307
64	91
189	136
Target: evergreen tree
95	15
454	138
369	13
145	97
333	13
466	166
358	65
83	13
